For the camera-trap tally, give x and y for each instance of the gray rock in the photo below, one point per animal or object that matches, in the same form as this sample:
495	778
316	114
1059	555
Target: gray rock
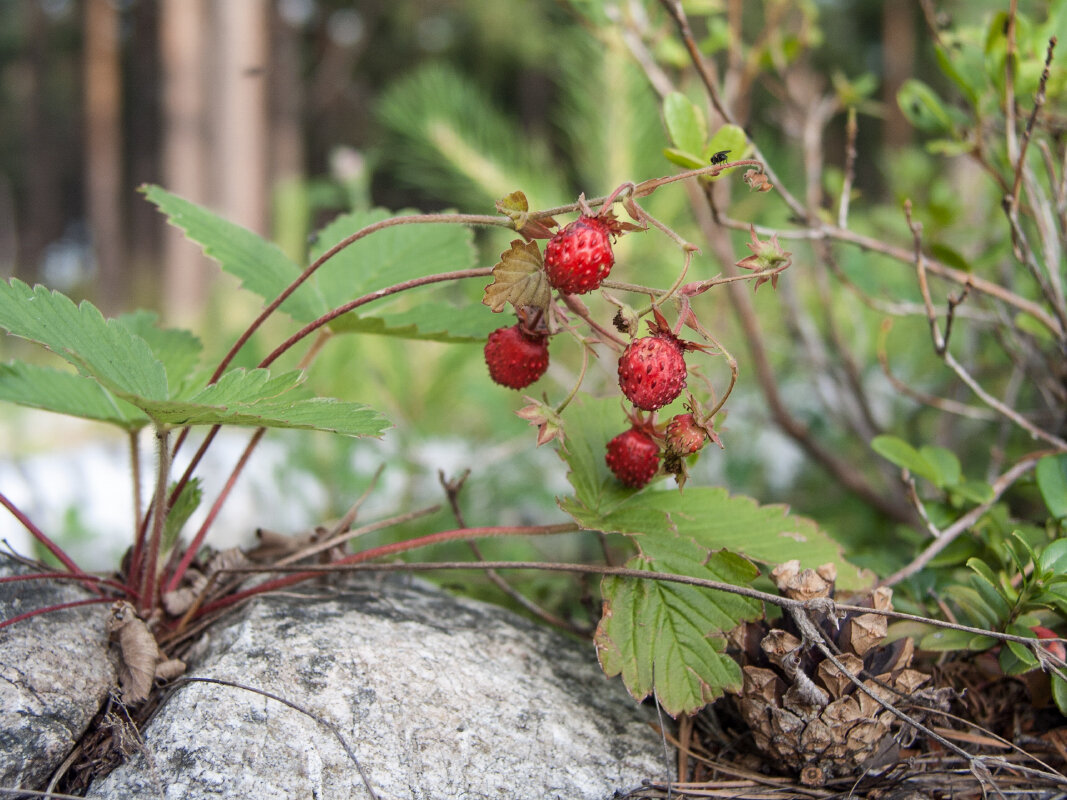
54	675
437	697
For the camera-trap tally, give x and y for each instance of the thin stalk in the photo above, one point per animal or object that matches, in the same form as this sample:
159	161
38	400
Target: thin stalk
315	325
135	469
414	283
305	572
148	585
194	546
66	576
460	219
41	537
57	607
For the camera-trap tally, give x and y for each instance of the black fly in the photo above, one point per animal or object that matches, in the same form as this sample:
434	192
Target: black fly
720	157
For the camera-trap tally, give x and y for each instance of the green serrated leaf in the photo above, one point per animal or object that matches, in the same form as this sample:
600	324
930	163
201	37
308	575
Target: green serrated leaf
260	265
665	638
1051	474
66	393
685	123
103	349
713	518
387	257
258	399
904	455
178	350
440	322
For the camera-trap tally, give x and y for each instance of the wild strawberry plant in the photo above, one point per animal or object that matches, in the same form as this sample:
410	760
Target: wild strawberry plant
134	374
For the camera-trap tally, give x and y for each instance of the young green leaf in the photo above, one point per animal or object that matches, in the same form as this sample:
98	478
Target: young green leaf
184	506
260	265
666	637
923	108
1053	559
685	123
904	455
731	138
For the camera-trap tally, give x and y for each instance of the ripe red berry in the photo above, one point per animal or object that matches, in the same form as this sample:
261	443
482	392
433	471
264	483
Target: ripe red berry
516	358
684	436
633	456
652	371
579	257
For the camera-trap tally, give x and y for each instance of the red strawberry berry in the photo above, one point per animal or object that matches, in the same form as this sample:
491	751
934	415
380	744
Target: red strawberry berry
633	456
684	435
579	257
515	357
652	370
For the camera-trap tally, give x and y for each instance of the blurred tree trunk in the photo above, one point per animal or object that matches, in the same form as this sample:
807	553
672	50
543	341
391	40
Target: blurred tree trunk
183	26
45	210
143	154
103	151
240	121
898	46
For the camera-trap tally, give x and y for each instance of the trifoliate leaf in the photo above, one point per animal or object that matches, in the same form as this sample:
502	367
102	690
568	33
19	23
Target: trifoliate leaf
666	637
519	278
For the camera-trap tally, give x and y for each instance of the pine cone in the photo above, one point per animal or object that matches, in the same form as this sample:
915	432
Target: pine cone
806	713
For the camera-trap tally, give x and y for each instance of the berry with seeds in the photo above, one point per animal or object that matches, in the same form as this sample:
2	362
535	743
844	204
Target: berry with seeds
515	357
684	435
579	257
633	457
652	370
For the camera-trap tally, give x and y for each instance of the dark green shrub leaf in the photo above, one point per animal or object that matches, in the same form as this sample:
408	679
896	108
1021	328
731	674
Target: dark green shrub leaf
1051	476
904	455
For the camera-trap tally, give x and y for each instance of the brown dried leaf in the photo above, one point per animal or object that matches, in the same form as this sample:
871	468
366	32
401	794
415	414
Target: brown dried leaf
519	278
139	652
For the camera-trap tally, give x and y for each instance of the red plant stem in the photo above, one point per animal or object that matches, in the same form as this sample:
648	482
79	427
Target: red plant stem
40	536
414	283
58	607
66	576
392	549
159	514
460	219
194	545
